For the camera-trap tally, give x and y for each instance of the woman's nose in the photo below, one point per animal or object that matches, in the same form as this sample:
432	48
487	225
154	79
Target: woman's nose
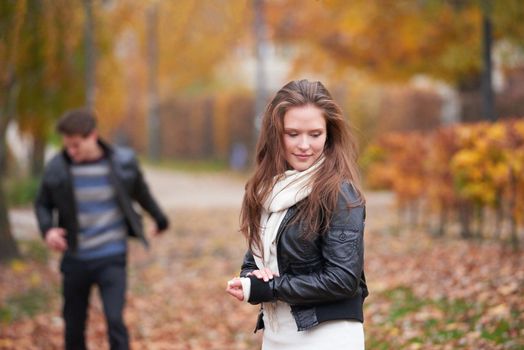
304	143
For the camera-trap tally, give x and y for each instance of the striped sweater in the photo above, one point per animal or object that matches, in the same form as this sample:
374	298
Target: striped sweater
102	229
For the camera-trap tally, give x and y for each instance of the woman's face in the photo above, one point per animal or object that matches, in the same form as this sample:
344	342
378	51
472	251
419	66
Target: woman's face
304	136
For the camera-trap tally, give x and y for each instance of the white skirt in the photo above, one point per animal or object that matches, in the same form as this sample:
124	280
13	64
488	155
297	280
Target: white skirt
280	332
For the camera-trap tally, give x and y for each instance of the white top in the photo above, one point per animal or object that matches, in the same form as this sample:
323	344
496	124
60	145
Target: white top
330	335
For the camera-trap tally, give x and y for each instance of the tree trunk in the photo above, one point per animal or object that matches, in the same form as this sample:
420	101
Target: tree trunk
488	100
208	141
153	119
38	154
479	218
90	54
465	219
514	238
499	216
261	55
8	247
443	217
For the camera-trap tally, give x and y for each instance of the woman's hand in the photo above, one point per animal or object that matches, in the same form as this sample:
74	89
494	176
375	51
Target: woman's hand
234	287
264	274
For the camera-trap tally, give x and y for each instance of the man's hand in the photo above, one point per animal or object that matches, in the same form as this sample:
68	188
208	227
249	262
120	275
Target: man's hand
161	226
155	232
55	239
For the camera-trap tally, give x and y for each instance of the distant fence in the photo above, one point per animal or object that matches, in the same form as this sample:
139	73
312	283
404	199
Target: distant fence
200	127
206	127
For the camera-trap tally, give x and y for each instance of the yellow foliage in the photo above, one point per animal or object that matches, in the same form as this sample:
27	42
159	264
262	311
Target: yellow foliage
516	162
482	163
392	44
35	280
496	132
18	266
465	159
519	127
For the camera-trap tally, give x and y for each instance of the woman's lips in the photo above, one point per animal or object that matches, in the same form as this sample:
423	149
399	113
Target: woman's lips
302	156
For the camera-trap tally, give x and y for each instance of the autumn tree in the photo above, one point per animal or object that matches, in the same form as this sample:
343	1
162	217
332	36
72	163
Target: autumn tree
47	70
11	20
261	53
40	46
170	54
394	40
152	95
90	53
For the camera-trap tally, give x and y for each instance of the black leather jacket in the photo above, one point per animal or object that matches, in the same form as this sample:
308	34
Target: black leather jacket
322	279
56	195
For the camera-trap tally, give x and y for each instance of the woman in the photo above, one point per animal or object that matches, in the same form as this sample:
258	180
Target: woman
303	216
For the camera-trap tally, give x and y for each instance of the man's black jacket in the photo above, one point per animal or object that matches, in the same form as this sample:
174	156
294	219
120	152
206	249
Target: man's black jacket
56	196
322	279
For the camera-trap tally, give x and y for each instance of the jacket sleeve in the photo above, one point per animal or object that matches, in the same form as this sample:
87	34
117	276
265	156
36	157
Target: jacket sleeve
343	258
44	207
143	196
248	265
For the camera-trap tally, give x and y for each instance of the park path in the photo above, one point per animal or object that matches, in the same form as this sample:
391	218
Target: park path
177	190
173	189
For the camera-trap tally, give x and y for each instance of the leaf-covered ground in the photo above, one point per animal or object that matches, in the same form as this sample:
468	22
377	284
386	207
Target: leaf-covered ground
425	293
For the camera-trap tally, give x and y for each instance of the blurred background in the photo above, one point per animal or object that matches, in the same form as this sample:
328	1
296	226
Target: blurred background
434	90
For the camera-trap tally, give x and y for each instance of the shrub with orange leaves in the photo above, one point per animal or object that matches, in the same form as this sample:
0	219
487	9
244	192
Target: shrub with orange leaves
467	168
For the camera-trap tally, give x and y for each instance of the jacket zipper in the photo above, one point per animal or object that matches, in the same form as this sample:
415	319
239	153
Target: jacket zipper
74	249
289	215
120	193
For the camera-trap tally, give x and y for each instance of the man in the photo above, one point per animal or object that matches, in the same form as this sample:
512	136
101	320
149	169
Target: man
84	209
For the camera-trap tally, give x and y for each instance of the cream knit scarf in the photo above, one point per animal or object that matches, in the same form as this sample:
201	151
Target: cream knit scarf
290	189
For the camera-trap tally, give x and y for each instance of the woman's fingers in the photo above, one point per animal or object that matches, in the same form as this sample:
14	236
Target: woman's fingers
237	293
234	288
261	275
234	283
264	274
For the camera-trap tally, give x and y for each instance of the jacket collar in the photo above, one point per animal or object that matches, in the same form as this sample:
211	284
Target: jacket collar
106	148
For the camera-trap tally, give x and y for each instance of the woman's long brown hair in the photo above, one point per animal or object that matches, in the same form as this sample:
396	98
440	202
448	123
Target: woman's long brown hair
340	162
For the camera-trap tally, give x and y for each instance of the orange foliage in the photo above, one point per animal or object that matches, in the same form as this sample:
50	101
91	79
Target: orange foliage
391	44
481	164
193	37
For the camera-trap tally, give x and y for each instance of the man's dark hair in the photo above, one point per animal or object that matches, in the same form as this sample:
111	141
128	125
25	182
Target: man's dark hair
81	121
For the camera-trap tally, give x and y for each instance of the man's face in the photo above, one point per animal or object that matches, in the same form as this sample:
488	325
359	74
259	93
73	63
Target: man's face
81	148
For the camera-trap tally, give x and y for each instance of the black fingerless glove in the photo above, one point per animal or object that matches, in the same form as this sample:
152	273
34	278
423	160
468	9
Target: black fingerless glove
261	291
